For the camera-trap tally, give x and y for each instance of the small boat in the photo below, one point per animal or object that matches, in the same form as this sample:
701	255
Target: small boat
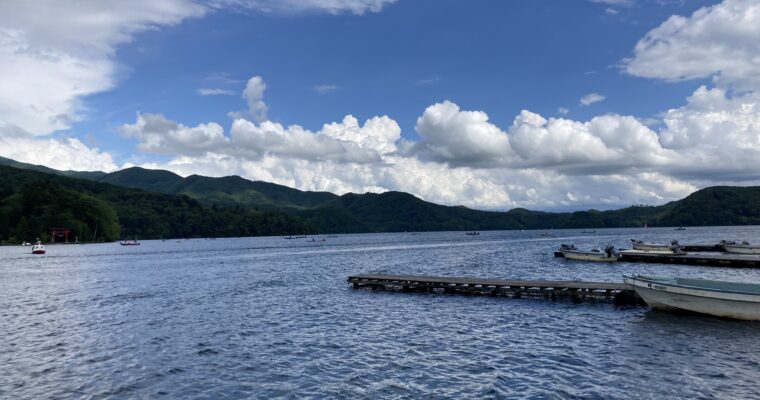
474	233
718	298
740	248
588	232
572	253
26	244
640	245
680	228
130	243
38	248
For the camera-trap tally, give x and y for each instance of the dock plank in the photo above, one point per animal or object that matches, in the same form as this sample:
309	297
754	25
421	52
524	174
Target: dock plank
490	282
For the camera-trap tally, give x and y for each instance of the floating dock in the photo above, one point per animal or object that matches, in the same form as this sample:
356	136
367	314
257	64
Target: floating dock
707	260
710	260
575	291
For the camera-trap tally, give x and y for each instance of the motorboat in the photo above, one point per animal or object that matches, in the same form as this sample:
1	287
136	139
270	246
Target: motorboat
473	233
640	245
129	243
680	228
572	253
740	248
718	298
38	248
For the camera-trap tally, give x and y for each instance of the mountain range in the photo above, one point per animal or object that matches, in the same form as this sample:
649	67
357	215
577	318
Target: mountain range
299	211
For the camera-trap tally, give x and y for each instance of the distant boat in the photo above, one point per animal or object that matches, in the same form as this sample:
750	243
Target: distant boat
680	228
547	234
572	253
718	298
740	248
38	248
588	232
640	245
130	243
474	233
26	244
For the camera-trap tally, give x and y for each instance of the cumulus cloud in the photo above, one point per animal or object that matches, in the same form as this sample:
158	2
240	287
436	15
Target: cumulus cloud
461	137
156	134
63	154
721	41
254	97
591	98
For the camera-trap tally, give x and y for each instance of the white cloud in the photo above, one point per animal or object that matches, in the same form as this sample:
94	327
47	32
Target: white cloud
156	134
62	154
254	96
57	52
563	110
611	11
591	98
721	41
461	137
215	92
325	88
358	7
614	2
428	81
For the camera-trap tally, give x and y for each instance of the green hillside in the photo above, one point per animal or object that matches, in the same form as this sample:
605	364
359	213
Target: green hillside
32	201
227	191
167	205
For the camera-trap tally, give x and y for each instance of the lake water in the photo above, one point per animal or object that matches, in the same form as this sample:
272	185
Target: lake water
267	317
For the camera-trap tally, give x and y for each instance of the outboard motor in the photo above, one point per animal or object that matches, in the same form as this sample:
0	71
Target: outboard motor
610	251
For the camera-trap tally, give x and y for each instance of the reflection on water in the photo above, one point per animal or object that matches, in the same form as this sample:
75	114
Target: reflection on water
267	317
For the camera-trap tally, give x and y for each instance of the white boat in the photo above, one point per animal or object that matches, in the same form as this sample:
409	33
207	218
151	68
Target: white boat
38	248
718	298
571	253
657	252
640	245
741	248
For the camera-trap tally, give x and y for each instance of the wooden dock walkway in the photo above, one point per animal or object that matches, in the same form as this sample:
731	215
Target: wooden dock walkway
575	291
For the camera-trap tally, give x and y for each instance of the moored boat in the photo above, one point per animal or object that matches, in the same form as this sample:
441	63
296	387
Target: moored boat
740	248
130	243
38	248
572	253
640	245
718	298
473	233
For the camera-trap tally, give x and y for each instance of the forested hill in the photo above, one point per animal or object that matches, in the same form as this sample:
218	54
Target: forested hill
32	201
172	206
226	191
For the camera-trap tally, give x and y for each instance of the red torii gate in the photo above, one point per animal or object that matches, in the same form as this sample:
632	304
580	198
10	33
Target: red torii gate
60	232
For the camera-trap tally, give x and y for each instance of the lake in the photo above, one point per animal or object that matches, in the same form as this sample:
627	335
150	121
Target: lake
268	317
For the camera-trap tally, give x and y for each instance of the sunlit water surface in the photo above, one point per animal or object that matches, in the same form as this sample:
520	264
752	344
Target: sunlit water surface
268	317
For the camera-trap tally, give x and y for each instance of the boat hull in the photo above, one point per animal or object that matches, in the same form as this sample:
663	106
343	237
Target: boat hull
588	256
651	247
742	249
38	251
720	304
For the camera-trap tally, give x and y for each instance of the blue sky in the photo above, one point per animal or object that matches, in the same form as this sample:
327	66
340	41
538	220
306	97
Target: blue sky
485	55
476	103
